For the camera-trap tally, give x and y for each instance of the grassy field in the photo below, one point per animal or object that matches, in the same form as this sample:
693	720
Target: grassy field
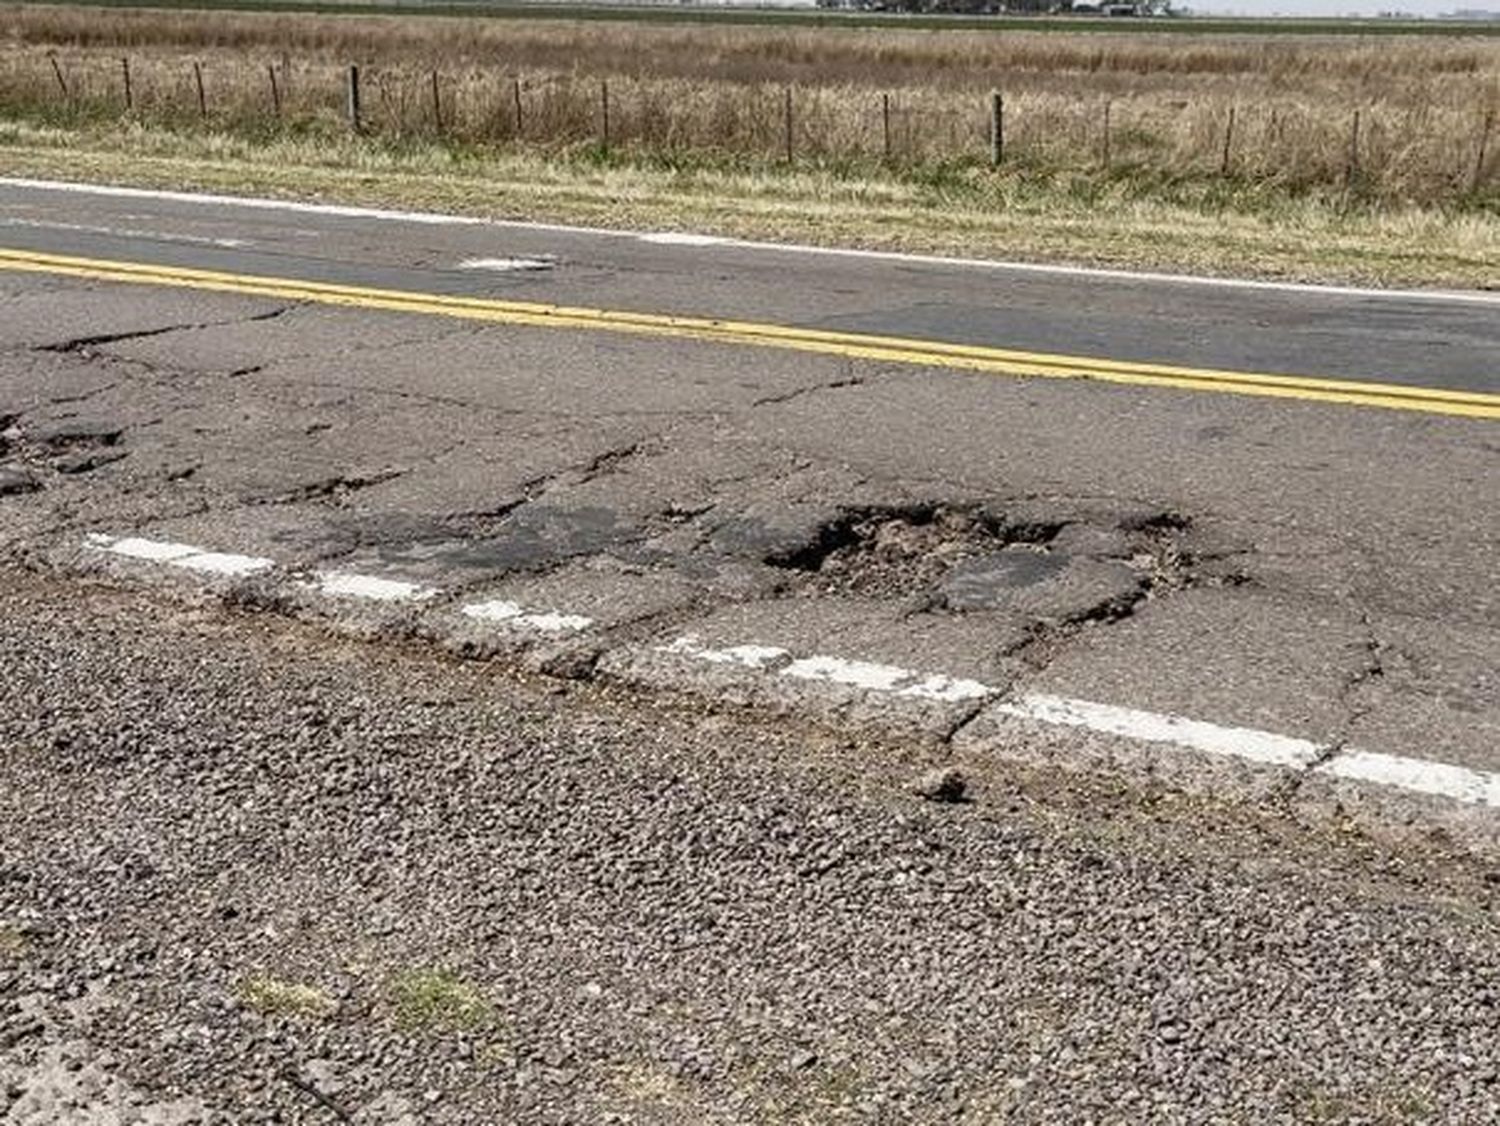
662	13
1311	156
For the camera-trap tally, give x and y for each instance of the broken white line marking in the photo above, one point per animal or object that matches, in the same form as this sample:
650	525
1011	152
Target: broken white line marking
948	689
181	555
153	551
856	674
1153	727
1298	756
548	621
345	584
223	563
835	670
1440	779
504	265
750	656
127	232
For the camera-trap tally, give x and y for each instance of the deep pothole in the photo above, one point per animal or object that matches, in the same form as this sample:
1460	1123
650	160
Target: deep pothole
1073	567
884	552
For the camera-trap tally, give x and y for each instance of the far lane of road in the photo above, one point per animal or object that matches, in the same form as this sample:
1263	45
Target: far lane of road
1412	340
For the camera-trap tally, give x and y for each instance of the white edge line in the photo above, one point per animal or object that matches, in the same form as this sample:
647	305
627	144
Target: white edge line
347	584
224	563
1300	756
547	621
691	240
1155	727
180	555
1439	779
253	202
854	674
1422	776
553	621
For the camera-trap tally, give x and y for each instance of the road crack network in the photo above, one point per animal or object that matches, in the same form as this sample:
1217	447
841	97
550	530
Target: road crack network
84	343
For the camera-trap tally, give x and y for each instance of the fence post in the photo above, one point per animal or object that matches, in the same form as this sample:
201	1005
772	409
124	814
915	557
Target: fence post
125	74
997	128
275	90
885	127
353	97
786	118
1228	140
1484	143
604	112
1105	153
437	104
515	91
198	81
62	83
1352	169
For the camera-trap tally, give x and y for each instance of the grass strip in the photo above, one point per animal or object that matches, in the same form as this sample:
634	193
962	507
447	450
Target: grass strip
1211	229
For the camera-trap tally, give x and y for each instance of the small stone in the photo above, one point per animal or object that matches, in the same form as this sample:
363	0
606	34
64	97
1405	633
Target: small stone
944	784
86	461
16	481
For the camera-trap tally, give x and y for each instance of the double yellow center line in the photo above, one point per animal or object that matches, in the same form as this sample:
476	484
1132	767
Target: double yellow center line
863	346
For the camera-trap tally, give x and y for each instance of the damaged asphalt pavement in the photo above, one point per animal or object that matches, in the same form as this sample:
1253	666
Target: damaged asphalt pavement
409	718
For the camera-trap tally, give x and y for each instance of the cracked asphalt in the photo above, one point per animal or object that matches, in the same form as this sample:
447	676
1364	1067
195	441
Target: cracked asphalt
666	950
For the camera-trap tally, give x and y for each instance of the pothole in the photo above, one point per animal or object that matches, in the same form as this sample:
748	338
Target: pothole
897	552
1076	567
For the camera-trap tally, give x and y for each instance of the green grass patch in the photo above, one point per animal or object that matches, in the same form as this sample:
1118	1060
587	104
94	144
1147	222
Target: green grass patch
438	1000
273	996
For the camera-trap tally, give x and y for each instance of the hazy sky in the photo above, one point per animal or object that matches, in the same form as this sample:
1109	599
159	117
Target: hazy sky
1334	7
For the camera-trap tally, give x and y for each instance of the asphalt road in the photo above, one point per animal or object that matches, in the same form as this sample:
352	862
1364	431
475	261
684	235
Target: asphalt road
1270	623
1411	340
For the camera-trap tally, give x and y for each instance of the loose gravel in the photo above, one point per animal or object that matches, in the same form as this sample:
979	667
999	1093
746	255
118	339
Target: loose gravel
251	874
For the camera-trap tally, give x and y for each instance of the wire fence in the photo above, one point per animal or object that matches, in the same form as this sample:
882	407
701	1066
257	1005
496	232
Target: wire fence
1424	152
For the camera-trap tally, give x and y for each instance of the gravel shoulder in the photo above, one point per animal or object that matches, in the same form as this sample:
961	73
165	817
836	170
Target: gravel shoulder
250	873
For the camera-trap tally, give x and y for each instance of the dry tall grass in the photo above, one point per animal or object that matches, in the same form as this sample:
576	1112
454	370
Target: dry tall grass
1392	119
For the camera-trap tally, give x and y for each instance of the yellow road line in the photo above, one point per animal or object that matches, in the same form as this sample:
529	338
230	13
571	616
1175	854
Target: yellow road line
865	346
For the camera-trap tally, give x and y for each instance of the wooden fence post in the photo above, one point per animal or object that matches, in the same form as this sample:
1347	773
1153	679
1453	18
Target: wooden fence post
437	104
275	90
125	75
353	98
1228	140
997	128
198	81
1352	169
885	127
1105	151
1484	143
515	91
786	119
604	112
62	83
